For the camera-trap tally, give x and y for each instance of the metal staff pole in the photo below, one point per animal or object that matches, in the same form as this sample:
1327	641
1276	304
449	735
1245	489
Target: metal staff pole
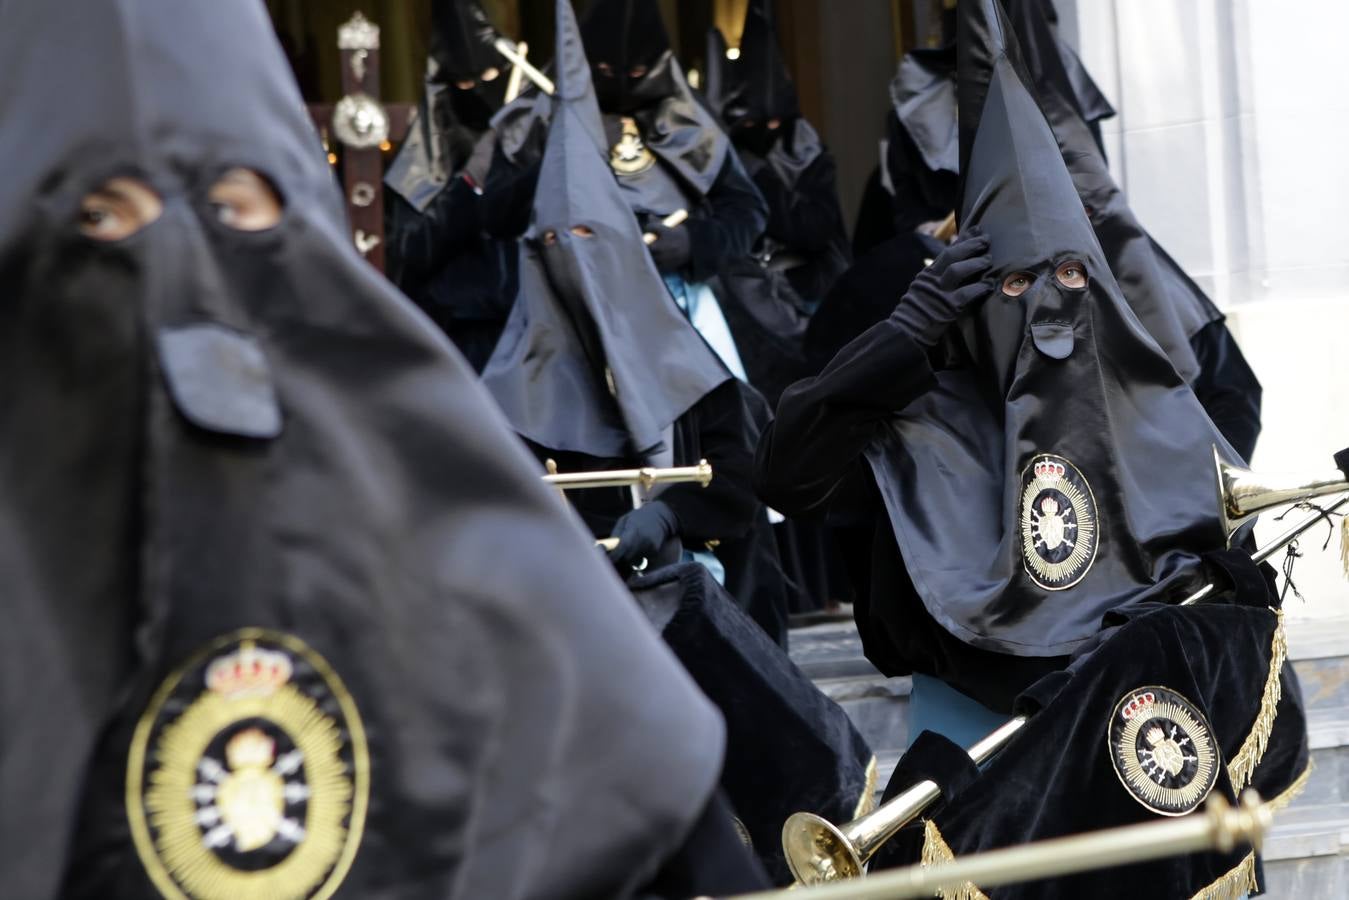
646	477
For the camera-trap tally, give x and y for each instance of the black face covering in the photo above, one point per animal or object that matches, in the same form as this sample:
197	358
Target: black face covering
450	118
595	358
623	37
763	88
1066	468
221	444
669	122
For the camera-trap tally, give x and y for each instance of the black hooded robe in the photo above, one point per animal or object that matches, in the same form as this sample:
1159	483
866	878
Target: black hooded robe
438	253
306	621
922	170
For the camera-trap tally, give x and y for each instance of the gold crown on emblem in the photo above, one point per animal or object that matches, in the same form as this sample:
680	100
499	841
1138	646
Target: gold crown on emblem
248	670
1155	735
250	749
1048	470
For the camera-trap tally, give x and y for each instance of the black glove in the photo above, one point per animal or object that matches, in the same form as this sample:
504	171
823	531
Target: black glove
672	248
941	292
642	532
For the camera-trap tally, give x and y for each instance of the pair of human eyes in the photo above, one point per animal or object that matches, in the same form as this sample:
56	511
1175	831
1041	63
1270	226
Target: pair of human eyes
122	206
490	74
582	231
607	70
1071	274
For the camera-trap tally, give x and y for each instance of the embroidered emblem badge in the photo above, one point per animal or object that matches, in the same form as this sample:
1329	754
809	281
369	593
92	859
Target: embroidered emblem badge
1162	749
249	774
1058	522
630	156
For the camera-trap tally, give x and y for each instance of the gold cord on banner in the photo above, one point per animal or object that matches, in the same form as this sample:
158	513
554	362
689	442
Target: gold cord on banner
936	852
1293	791
1344	545
1236	884
867	802
1243	764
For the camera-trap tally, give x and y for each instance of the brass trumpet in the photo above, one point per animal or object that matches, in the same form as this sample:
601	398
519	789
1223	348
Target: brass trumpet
818	851
1242	495
1219	827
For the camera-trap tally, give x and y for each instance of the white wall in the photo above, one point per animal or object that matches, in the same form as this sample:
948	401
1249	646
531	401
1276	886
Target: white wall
1232	143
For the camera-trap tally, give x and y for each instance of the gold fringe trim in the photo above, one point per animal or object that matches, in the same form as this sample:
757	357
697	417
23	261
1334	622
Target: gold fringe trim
1234	885
1344	545
1292	791
1242	766
936	852
867	802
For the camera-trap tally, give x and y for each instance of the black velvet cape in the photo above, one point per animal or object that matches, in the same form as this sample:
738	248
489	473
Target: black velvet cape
789	747
1056	777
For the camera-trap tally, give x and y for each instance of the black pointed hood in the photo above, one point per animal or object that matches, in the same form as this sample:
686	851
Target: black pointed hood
764	87
462	51
1164	305
923	96
626	36
717	82
450	119
462	38
1062	468
1052	63
670	121
596	358
223	442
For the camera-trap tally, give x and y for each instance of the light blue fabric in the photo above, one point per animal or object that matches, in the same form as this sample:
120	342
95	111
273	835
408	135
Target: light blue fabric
709	562
936	706
701	306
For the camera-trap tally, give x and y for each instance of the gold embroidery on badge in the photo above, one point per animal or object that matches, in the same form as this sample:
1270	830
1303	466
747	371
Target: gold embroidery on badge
1162	749
630	156
249	774
1058	522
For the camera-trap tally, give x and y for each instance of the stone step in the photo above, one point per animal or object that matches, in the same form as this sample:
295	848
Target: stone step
831	654
1307	853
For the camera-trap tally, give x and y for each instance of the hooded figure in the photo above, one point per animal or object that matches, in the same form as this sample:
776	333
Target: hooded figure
923	151
771	294
666	151
287	610
1176	705
599	369
1174	309
1056	467
595	364
438	253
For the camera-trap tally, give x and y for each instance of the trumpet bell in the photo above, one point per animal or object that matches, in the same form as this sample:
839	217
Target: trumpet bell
1242	494
818	851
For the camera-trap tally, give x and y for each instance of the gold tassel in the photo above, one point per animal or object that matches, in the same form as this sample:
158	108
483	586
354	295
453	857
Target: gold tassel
1236	884
867	802
1293	790
1242	766
937	853
1344	545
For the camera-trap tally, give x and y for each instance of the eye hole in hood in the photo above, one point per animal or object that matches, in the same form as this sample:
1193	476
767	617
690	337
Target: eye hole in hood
118	209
